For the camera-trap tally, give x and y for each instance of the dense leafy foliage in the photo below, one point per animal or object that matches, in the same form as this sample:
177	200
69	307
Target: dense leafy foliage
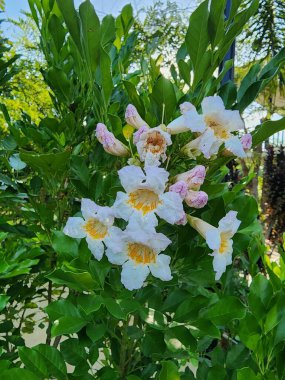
95	328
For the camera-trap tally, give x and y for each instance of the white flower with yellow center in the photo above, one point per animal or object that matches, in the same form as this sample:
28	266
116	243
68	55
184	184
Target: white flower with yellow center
151	145
138	249
145	195
94	226
218	239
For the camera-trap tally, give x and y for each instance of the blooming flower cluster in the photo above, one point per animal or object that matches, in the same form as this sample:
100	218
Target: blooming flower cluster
150	195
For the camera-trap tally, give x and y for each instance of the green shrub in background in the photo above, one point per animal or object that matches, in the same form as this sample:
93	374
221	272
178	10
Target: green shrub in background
225	328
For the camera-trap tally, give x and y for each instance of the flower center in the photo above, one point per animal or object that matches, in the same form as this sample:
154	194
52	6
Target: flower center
155	142
95	229
144	200
224	244
219	131
141	254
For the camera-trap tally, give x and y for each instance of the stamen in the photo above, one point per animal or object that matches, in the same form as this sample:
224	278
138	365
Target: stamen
144	200
141	254
95	229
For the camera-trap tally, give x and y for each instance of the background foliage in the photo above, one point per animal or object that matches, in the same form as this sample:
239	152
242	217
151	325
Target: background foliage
93	68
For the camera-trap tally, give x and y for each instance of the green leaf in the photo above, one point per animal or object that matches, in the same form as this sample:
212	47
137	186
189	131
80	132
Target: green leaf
64	245
18	373
179	338
153	318
163	95
61	308
54	361
114	308
276	312
3	301
67	325
72	351
169	371
73	278
134	97
260	295
57	32
267	129
216	21
248	80
106	75
217	372
249	332
225	310
247	374
197	38
51	164
107	31
95	332
90	36
89	303
60	84
33	361
72	20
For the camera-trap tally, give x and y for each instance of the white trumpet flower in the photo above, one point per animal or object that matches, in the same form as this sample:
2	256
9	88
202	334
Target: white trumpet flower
94	226
218	239
145	195
138	249
151	145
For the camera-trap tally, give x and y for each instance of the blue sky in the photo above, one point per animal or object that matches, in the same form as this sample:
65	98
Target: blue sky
14	8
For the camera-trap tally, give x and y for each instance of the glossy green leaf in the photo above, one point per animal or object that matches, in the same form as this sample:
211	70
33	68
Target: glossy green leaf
18	373
33	361
54	361
67	325
163	95
169	371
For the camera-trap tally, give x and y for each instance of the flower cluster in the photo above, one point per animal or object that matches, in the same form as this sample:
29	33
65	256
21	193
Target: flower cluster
150	195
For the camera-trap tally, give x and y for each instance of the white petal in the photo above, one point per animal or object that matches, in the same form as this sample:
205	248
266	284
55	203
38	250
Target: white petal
75	227
105	215
229	223
209	144
212	104
234	145
96	247
161	268
159	242
194	121
121	208
117	258
156	179
151	159
134	275
131	177
146	223
115	239
171	207
177	125
233	120
213	238
88	208
219	264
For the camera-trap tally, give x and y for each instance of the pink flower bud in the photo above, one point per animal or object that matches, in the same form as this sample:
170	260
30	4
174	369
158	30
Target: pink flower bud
133	118
196	199
138	133
182	221
194	177
109	142
246	141
186	106
180	188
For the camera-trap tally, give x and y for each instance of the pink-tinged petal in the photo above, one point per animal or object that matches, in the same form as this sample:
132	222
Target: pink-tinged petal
110	144
161	268
182	221
133	275
133	118
194	178
196	199
75	228
180	188
138	133
246	141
